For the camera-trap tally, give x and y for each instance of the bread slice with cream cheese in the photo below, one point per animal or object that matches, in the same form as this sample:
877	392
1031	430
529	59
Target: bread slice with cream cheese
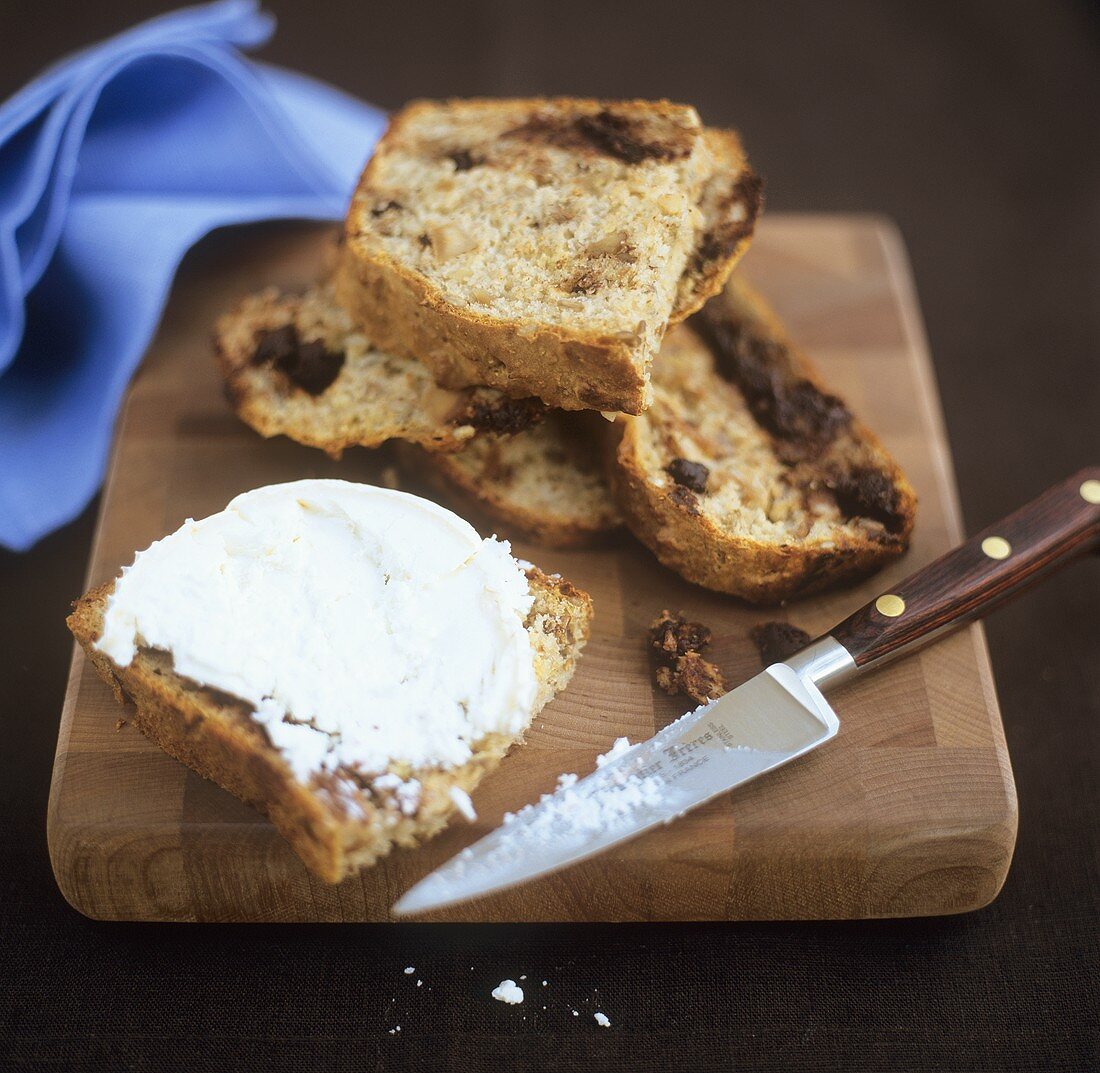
338	817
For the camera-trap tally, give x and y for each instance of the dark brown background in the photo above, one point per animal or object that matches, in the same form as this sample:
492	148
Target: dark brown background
975	126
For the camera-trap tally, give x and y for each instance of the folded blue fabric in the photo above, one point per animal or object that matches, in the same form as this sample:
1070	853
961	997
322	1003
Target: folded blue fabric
112	164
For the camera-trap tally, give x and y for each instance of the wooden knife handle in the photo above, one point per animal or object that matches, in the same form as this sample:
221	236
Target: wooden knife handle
1063	523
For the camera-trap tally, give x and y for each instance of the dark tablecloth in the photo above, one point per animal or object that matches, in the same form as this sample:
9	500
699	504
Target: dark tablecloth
975	126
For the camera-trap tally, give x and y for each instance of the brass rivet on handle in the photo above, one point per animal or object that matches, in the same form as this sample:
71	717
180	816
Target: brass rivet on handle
1090	491
996	547
890	605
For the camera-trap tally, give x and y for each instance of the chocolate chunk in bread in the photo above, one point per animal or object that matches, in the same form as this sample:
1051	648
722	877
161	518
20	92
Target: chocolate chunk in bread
275	344
732	222
307	364
688	474
633	140
312	367
802	417
500	414
610	132
862	492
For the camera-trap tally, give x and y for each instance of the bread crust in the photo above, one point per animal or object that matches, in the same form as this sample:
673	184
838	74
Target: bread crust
731	204
404	313
574	370
716	557
334	825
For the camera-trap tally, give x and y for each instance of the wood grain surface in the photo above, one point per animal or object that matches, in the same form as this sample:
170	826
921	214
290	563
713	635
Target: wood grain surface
910	811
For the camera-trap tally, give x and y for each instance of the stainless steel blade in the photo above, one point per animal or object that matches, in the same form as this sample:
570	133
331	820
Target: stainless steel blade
763	724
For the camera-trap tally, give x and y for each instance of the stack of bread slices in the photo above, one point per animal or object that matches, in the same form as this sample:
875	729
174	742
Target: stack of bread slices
538	298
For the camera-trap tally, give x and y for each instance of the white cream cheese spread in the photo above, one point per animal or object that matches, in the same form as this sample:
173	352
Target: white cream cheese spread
363	625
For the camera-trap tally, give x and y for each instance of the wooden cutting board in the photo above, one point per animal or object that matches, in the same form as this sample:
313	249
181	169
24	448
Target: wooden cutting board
910	811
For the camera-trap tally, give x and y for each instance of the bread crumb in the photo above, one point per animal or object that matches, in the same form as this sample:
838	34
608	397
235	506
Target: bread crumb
508	991
410	970
692	676
677	644
120	723
462	802
673	635
777	641
602	1019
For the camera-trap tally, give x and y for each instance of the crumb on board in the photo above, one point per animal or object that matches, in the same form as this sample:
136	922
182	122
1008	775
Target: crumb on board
692	676
462	802
673	635
677	644
777	641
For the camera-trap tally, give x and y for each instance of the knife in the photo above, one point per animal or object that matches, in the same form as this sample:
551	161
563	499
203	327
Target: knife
774	718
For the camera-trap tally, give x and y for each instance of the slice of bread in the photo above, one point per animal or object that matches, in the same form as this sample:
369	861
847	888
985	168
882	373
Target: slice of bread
545	482
541	246
295	365
746	475
336	824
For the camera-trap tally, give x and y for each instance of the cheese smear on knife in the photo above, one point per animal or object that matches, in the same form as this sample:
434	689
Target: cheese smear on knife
364	626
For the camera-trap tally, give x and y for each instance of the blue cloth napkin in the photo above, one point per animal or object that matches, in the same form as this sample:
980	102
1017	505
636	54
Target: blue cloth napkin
112	164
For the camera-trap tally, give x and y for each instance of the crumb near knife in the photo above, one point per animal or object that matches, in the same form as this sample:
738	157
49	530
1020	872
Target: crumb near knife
677	645
777	641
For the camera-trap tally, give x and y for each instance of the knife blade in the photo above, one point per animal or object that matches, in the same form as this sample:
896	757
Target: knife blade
767	722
